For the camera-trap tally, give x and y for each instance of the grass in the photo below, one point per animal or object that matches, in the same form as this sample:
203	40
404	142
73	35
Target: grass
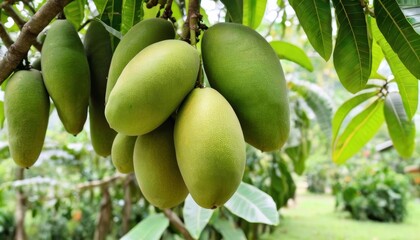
313	217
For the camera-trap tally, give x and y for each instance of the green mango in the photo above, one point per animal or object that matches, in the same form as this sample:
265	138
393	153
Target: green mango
99	53
210	147
152	86
66	74
122	153
26	105
242	66
156	168
36	64
136	39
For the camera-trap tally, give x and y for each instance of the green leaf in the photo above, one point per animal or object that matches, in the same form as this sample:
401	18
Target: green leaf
228	230
100	5
345	109
234	10
2	117
352	53
151	228
253	12
401	129
195	217
114	32
407	83
75	12
315	18
399	33
412	14
292	53
253	205
358	132
316	99
377	58
131	14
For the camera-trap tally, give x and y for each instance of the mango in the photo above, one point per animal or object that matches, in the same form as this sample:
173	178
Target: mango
26	105
152	86
136	39
66	74
156	168
210	147
242	66
122	153
99	53
36	64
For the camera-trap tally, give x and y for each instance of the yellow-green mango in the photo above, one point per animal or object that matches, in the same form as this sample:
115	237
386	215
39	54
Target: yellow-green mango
136	39
26	105
156	168
244	68
66	74
210	147
99	53
122	153
152	86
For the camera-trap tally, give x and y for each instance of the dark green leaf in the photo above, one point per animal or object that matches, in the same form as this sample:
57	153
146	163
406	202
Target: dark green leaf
131	14
401	129
315	18
234	10
407	83
228	229
292	53
253	12
352	53
399	33
151	228
75	12
358	132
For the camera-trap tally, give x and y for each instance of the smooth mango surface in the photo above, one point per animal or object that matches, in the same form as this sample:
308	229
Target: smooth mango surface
26	104
152	86
156	167
210	147
122	153
66	74
243	67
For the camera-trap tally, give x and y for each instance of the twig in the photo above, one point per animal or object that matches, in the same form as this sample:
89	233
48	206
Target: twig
5	36
191	28
167	13
12	13
99	183
27	37
27	4
127	206
177	223
20	233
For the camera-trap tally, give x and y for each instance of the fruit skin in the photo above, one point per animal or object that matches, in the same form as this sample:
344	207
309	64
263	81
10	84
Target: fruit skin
36	64
210	147
99	53
156	167
152	86
27	105
122	153
136	39
66	74
247	72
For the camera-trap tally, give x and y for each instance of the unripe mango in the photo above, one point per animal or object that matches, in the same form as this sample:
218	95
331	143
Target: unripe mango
136	39
152	86
66	74
26	105
99	53
122	153
156	167
210	147
243	67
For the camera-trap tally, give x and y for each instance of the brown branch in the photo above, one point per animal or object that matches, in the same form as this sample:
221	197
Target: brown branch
27	4
20	233
100	183
167	13
191	28
104	220
5	36
127	206
27	37
177	223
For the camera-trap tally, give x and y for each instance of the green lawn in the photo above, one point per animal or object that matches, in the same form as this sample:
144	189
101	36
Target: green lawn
313	217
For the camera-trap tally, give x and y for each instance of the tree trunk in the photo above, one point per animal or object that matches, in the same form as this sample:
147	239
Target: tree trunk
20	233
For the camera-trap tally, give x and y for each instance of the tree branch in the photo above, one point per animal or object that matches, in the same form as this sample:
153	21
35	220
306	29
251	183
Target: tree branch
191	28
99	183
27	37
5	36
20	233
177	223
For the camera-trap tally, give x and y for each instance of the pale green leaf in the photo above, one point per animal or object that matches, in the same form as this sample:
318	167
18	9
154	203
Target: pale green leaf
228	230
150	228
114	32
234	10
399	33
253	205
377	58
315	19
75	12
359	131
344	110
131	14
401	129
352	53
292	53
407	83
195	217
253	12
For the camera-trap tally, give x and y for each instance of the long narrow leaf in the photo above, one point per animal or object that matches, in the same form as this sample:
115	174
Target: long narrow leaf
150	228
131	14
228	230
399	33
253	12
358	132
407	83
315	18
2	117
401	129
377	57
75	12
195	217
234	10
352	53
292	53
